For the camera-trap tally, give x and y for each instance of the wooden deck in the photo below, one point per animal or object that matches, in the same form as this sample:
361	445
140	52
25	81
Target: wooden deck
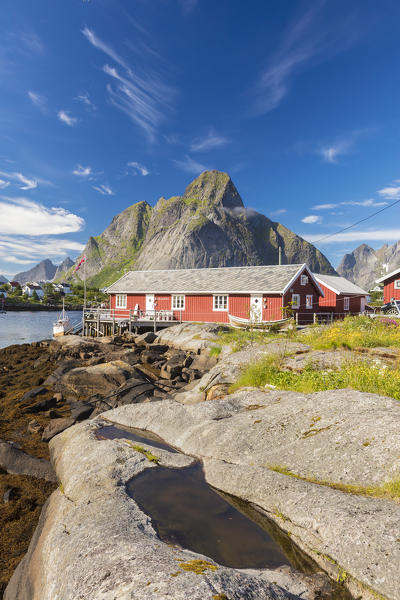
104	322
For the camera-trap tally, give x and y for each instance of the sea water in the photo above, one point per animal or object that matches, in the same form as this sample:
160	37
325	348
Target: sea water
24	327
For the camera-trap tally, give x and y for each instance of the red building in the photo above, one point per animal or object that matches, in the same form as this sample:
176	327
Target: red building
209	294
391	289
341	296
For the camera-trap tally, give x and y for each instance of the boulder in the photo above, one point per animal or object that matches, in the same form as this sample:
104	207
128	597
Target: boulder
145	338
42	405
9	494
56	426
33	393
102	378
34	427
17	462
153	353
80	411
63	367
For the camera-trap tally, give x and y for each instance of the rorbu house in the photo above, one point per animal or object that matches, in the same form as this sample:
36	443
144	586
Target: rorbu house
211	294
391	286
341	296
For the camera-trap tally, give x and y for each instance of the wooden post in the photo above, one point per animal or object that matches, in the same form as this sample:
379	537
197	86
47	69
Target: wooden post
113	323
130	320
98	322
154	324
315	318
297	318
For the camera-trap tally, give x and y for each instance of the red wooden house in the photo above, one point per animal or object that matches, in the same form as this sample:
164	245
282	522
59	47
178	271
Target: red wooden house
341	296
391	283
209	294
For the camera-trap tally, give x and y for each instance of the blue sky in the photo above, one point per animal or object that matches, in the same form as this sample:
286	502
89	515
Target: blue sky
108	102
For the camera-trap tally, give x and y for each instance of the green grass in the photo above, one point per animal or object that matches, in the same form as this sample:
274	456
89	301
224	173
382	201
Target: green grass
215	351
389	490
354	332
151	457
358	375
239	338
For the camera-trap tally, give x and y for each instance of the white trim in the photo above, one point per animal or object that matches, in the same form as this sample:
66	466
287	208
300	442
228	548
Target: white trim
296	306
201	293
397	287
303	279
312	300
120	296
299	272
346	303
178	296
387	276
227	302
340	292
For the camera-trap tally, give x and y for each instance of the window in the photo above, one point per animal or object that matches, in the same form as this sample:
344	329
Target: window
346	303
220	303
397	284
120	301
178	302
309	301
303	280
295	300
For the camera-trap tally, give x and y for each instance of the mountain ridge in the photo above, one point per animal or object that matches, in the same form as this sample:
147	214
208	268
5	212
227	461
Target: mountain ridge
208	226
364	264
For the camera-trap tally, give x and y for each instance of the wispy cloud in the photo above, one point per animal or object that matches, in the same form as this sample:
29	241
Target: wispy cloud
309	39
280	211
312	219
105	190
391	192
14	250
209	142
143	97
86	101
330	154
39	101
21	216
369	202
27	183
357	236
66	118
190	166
4	184
324	206
138	168
82	171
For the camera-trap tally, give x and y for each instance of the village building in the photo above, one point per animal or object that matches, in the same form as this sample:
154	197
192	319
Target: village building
391	286
14	285
210	294
30	288
63	288
341	296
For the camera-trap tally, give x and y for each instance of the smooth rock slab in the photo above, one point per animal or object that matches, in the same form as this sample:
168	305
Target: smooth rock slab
86	381
17	462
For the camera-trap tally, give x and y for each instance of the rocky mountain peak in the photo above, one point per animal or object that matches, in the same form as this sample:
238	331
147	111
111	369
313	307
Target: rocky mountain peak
44	271
214	187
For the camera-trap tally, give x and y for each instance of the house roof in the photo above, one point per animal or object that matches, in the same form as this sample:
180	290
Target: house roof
388	275
340	285
235	280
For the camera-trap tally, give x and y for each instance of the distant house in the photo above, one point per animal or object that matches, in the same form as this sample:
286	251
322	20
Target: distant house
341	296
30	288
209	294
14	285
63	288
391	285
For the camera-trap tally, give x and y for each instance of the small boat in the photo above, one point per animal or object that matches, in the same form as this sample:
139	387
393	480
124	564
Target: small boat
241	323
62	325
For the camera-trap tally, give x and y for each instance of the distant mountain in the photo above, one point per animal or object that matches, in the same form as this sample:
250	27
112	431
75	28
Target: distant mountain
364	265
208	226
66	264
3	279
44	271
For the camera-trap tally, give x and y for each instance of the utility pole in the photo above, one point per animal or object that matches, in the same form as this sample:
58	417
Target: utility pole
279	255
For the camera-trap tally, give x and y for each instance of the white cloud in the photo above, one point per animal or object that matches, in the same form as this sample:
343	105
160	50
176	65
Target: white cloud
390	192
138	168
280	211
4	184
190	166
28	183
368	202
356	236
143	97
324	206
312	219
85	100
82	171
20	216
38	100
103	189
209	142
66	118
16	249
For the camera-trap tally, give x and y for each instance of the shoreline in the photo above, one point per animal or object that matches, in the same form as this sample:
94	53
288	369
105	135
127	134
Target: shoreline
40	307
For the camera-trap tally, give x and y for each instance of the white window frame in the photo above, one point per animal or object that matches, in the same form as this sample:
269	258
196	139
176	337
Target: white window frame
346	303
120	300
218	305
178	302
397	284
303	279
297	303
309	301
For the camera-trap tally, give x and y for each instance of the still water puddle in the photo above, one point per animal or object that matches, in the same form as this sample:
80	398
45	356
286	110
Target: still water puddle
111	432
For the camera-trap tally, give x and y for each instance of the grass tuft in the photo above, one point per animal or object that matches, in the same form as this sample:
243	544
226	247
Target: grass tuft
215	351
151	457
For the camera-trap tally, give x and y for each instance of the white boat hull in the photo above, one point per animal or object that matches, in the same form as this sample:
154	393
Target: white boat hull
60	328
240	323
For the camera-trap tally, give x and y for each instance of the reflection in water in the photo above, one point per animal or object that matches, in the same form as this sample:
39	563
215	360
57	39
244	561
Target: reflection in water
111	432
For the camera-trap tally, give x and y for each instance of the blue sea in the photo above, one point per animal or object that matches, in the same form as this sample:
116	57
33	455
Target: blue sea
23	327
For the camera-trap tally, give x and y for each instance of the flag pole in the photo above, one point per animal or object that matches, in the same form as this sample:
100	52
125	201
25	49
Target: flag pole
84	283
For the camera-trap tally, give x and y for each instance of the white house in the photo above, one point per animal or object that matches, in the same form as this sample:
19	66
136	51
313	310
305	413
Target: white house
30	288
63	288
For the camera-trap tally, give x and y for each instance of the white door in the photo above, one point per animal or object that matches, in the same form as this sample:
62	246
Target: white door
256	303
149	303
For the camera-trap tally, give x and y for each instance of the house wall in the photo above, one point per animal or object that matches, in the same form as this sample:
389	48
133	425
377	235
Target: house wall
305	315
389	291
334	303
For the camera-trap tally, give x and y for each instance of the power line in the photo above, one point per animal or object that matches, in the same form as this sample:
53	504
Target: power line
358	222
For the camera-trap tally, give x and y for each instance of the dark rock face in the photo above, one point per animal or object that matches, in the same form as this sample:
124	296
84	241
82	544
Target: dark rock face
66	264
56	426
17	462
364	265
208	226
44	271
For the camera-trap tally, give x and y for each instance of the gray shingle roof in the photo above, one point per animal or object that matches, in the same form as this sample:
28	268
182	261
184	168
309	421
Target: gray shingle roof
262	279
340	285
